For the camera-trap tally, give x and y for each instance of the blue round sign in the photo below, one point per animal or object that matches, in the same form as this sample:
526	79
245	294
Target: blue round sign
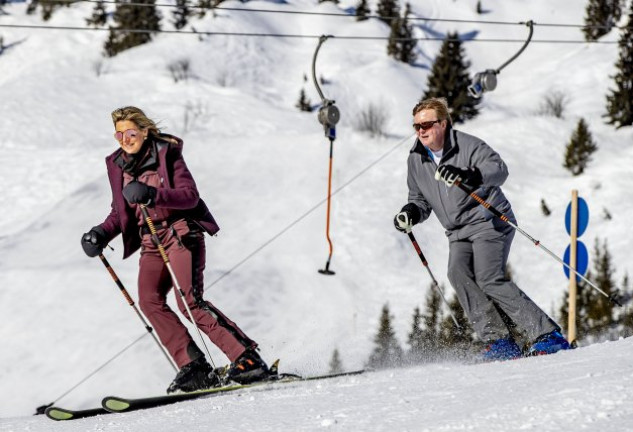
583	217
582	259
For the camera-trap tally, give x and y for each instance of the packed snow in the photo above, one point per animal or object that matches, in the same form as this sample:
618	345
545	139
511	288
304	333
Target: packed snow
262	167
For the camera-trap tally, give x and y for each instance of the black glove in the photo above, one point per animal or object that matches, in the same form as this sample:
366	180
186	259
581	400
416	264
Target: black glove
94	241
408	216
449	174
139	193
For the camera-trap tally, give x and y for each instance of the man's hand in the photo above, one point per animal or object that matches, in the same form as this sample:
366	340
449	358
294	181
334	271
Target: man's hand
449	174
408	216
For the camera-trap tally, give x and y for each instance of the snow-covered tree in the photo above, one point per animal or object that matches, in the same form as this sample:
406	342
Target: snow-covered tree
336	365
133	17
99	15
362	10
600	17
579	149
181	14
387	352
387	10
401	46
449	78
620	101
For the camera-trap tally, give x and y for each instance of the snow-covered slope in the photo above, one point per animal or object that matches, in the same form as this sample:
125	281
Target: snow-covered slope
261	165
587	389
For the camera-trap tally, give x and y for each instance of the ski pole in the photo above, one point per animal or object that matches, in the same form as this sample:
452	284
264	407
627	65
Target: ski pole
163	254
504	218
149	329
435	284
42	409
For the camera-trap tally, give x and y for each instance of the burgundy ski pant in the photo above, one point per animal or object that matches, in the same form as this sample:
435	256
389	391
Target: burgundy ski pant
185	249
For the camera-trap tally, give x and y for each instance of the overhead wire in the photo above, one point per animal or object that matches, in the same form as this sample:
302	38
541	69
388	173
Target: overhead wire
293	36
333	14
304	36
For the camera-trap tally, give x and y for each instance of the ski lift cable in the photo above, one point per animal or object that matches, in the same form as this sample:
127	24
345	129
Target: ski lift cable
294	36
338	14
309	211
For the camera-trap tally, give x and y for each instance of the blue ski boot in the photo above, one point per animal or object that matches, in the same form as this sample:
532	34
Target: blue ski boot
549	343
502	349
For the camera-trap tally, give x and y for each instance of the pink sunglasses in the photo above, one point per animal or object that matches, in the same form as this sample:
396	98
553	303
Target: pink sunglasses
130	133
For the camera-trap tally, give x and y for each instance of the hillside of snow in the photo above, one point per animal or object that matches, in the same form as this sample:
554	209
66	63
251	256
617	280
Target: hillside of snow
261	166
586	389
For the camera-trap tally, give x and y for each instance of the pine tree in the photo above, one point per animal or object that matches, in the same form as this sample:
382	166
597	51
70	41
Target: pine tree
424	338
579	150
331	1
50	6
32	7
181	14
401	45
449	78
600	17
133	17
626	317
362	10
387	352
304	103
479	9
620	101
416	338
544	208
336	366
387	10
453	338
99	15
594	312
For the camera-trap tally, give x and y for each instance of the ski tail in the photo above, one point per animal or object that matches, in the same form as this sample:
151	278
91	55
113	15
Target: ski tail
60	414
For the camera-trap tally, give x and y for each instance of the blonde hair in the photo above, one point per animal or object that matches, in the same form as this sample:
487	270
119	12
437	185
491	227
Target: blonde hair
439	105
137	116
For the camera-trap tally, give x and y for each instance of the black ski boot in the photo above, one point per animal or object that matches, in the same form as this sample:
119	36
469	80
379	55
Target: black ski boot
197	375
248	368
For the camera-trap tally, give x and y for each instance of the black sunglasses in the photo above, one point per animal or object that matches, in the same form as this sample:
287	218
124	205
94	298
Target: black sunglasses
425	125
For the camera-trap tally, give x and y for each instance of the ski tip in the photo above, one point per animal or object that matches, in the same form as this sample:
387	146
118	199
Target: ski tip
58	414
113	404
274	368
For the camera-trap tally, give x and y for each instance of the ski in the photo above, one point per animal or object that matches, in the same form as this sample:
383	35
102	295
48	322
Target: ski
59	414
120	405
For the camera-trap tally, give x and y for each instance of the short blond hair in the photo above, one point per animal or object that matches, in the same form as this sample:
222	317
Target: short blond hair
437	104
137	116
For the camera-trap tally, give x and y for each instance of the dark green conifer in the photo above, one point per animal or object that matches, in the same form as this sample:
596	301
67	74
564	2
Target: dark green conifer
620	101
387	352
387	10
99	15
579	149
132	17
362	10
449	78
600	17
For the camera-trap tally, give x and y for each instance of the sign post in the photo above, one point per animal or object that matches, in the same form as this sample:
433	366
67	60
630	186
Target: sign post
576	255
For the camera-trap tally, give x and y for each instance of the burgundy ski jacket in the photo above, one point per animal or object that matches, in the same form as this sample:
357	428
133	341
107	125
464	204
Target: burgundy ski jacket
178	192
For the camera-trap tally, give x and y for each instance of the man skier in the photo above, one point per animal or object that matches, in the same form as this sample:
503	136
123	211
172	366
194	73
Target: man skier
479	243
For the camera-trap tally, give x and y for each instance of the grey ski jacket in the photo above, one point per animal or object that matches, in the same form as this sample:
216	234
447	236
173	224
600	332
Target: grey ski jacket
460	215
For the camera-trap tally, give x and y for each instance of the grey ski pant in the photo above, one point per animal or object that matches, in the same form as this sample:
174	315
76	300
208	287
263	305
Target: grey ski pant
476	270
